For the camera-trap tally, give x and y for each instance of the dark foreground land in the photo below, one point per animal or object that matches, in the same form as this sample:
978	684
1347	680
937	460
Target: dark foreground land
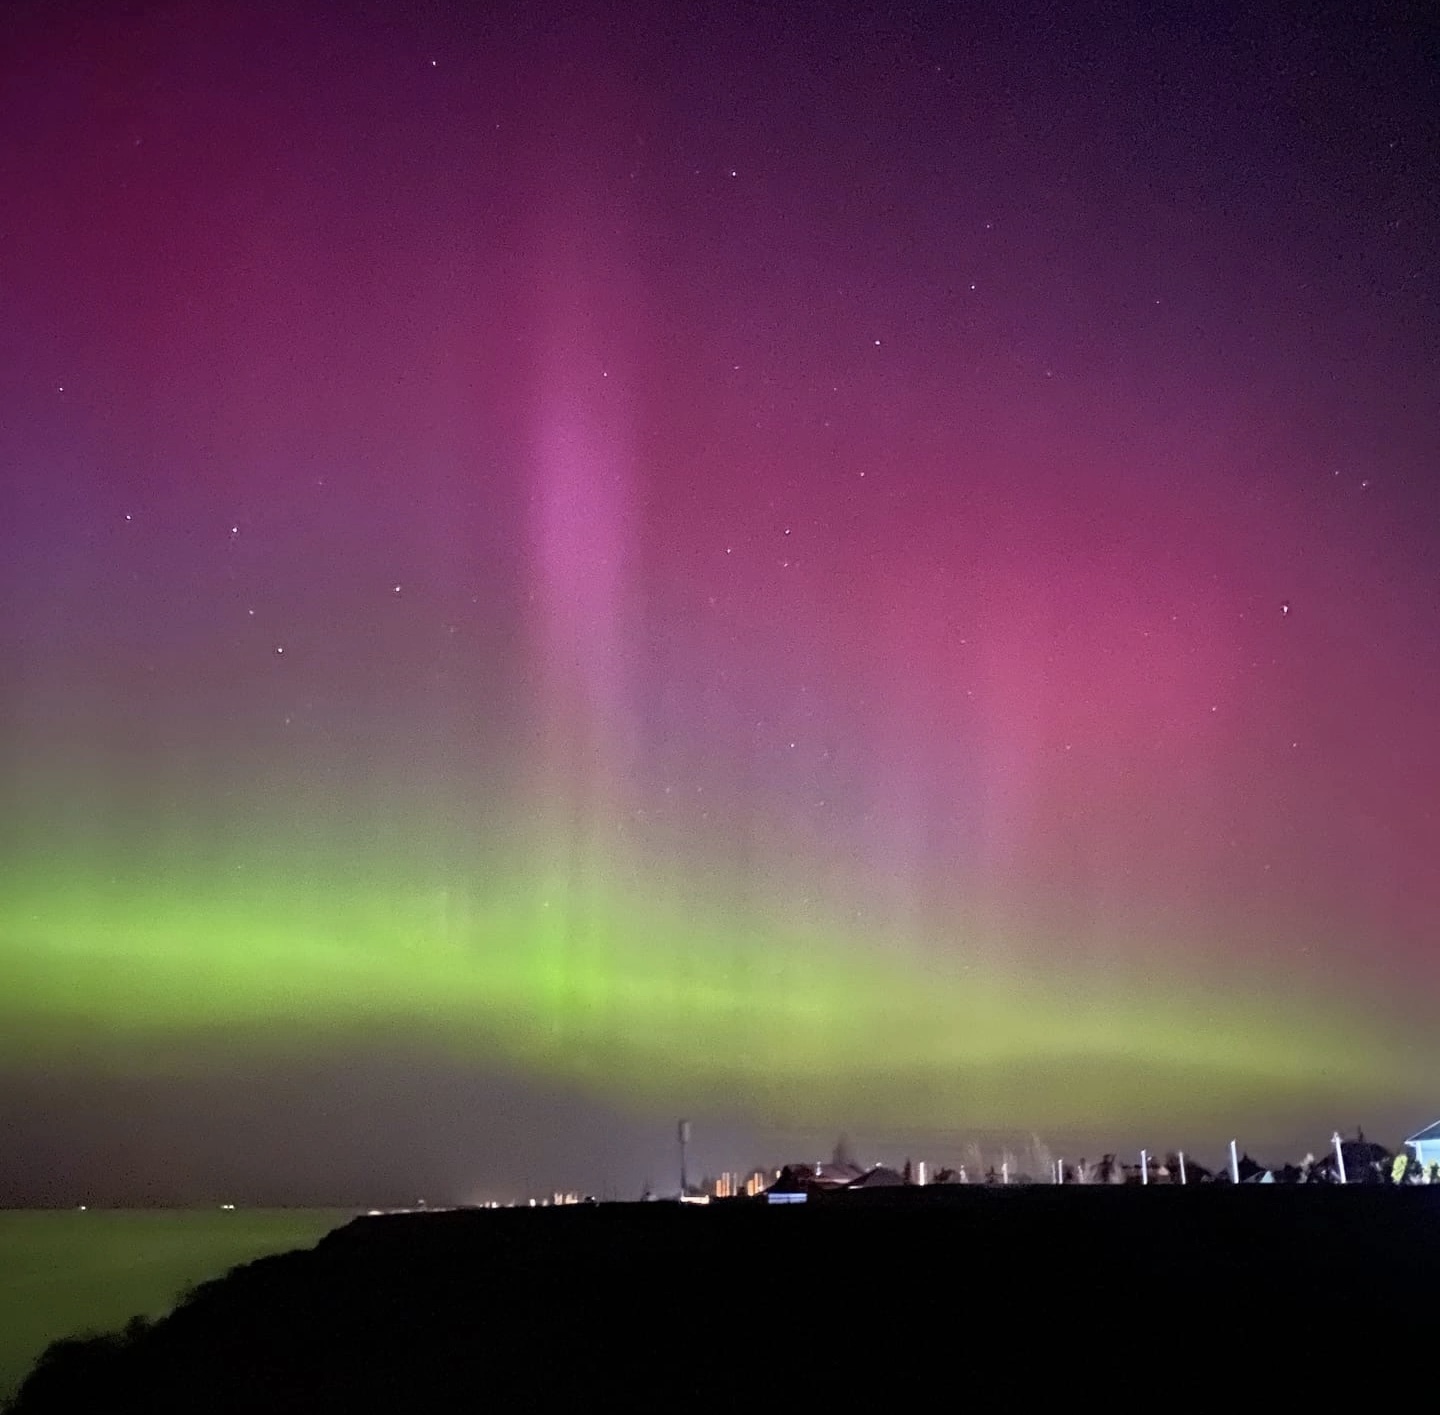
1165	1297
64	1271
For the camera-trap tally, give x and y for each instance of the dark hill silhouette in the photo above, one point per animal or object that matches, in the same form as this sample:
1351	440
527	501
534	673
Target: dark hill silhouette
652	1306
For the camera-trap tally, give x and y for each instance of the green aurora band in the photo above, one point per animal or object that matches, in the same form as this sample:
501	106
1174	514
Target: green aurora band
648	1004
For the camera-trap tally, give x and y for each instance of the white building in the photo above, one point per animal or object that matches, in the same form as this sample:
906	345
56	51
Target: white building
1426	1144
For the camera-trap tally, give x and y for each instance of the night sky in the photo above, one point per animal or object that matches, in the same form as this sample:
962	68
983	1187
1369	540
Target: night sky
815	567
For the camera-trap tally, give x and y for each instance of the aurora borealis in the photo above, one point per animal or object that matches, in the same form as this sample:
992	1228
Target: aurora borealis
813	567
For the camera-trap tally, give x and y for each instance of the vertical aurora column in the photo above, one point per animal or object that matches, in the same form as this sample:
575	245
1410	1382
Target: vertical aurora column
582	554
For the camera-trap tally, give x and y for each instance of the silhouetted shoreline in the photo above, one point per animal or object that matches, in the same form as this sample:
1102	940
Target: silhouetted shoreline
646	1305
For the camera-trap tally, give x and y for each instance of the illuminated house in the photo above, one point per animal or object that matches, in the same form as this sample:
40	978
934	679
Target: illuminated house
879	1177
1426	1144
832	1178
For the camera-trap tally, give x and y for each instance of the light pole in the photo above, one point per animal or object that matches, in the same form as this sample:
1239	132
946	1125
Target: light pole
682	1133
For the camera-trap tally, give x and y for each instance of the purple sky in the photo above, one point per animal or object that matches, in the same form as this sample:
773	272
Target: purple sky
883	461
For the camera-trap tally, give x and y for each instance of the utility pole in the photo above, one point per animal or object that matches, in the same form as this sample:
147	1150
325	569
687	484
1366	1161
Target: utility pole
1340	1157
1182	1166
1144	1166
682	1133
